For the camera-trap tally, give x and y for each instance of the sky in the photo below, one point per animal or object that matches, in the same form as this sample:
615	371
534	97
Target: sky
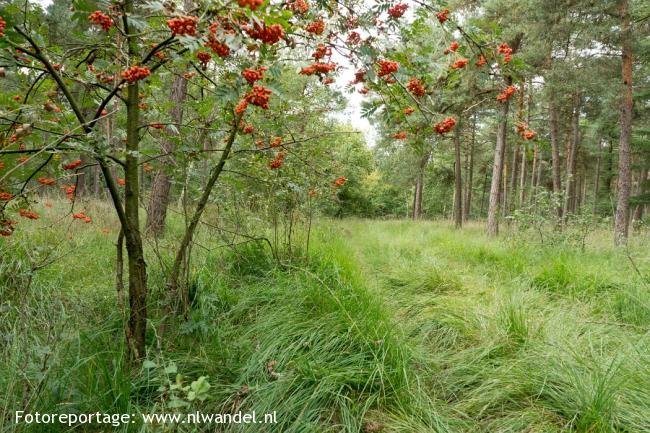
352	114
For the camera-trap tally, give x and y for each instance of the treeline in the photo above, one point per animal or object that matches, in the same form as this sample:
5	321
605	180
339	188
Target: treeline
558	113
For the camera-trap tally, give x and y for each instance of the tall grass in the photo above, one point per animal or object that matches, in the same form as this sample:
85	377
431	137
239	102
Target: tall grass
531	338
391	326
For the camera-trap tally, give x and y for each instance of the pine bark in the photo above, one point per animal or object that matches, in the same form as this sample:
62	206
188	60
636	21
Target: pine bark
161	185
497	169
419	185
597	185
555	153
458	182
467	203
621	225
574	143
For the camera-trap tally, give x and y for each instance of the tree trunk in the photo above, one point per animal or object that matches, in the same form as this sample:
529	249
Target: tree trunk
467	203
597	184
485	184
419	185
555	153
136	262
514	174
417	197
497	168
624	151
522	179
574	143
458	182
161	186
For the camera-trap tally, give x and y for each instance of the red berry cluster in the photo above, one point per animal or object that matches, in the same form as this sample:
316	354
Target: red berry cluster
184	26
398	10
7	227
299	6
219	48
340	181
241	106
359	76
47	181
70	191
267	34
409	110
135	73
3	24
278	161
26	213
318	68
452	48
328	80
316	27
506	93
5	196
203	57
460	64
526	134
354	38
364	90
250	4
276	142
443	16
253	75
399	135
101	19
445	126
259	96
387	67
416	87
481	60
505	49
321	52
248	129
72	165
81	216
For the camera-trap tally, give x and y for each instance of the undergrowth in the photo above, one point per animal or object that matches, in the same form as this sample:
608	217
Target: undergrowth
390	326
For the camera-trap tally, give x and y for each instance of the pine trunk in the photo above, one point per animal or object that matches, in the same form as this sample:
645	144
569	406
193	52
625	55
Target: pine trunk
624	151
467	203
161	186
497	169
458	182
555	153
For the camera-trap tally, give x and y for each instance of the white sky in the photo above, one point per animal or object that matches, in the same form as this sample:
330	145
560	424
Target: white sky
346	74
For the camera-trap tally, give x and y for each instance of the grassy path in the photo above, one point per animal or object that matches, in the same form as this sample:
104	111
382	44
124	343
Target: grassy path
517	338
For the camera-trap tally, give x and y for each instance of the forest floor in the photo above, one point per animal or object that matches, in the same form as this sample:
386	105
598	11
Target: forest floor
392	326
